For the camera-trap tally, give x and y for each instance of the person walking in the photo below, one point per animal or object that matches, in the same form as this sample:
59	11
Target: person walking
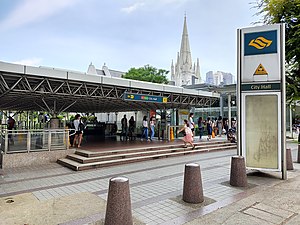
226	127
131	128
188	134
79	127
209	128
191	123
220	125
145	129
201	128
10	126
152	126
124	126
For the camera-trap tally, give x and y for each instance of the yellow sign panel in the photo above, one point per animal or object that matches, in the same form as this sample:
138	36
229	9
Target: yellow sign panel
165	100
260	70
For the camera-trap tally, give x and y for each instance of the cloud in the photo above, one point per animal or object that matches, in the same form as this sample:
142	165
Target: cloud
29	62
133	7
30	11
152	4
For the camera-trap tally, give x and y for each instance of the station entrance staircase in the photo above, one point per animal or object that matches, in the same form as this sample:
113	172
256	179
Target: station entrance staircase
84	159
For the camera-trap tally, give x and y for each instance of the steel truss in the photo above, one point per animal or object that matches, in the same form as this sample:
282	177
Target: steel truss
35	93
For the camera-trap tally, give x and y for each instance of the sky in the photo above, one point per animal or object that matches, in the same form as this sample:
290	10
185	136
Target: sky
70	34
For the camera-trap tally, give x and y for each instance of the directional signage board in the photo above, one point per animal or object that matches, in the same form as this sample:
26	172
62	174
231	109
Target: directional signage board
144	98
261	97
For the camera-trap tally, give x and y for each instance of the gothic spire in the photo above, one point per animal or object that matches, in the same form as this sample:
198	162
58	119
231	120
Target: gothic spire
197	72
92	69
185	52
172	71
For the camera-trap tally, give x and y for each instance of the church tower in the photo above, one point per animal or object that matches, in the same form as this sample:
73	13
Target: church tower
185	72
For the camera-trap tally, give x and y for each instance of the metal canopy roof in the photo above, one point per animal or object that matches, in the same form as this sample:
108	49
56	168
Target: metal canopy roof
27	88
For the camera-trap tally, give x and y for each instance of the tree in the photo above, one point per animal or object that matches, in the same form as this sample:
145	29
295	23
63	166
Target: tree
288	12
148	73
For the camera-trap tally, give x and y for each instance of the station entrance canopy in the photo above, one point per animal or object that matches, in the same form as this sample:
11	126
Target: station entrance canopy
27	88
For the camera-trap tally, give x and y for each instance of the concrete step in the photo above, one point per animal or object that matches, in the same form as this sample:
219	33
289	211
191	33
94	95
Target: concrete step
86	153
69	163
127	150
111	162
82	159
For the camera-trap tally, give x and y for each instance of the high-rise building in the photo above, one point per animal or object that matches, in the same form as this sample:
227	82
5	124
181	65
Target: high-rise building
184	72
219	77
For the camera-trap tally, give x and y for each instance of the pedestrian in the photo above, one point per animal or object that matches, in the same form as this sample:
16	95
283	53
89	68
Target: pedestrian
188	134
191	123
10	123
152	126
131	128
226	127
41	118
201	128
220	125
124	128
10	126
71	130
79	127
209	128
214	128
145	129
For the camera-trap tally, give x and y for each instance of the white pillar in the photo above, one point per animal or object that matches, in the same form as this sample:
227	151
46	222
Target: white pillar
229	110
221	106
116	117
135	116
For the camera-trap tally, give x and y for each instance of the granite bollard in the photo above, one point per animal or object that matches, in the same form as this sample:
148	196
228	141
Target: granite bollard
289	159
192	186
238	176
118	208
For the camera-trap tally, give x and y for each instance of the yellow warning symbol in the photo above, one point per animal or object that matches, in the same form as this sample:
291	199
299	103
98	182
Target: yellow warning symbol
260	70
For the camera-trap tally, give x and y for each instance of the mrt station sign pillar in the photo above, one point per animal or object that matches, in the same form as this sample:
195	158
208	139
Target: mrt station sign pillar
261	97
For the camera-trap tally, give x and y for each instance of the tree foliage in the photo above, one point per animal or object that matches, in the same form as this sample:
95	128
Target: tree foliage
148	73
288	12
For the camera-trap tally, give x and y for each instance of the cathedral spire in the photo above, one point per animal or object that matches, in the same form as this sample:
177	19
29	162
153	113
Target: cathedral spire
92	69
185	52
197	72
186	72
172	71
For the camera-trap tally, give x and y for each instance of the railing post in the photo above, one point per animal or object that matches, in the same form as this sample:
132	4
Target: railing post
49	140
67	138
168	132
6	142
28	141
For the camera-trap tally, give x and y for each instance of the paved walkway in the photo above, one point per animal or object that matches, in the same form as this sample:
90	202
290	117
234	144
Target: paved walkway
53	194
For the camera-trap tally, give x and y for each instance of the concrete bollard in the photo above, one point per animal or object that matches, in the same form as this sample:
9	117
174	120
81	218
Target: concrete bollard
298	161
289	159
118	208
192	185
238	176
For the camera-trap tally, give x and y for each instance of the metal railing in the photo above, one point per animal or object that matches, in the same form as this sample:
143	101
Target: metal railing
14	141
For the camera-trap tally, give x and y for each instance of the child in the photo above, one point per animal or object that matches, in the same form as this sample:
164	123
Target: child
188	134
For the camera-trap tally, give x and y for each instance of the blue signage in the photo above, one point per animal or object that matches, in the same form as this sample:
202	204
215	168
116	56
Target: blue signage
144	98
260	43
